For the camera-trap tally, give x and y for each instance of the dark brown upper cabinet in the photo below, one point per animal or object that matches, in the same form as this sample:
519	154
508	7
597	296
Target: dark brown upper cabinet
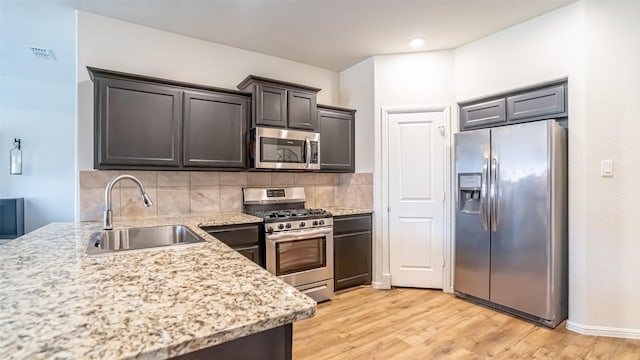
270	106
538	102
214	130
337	139
301	106
136	123
281	104
148	123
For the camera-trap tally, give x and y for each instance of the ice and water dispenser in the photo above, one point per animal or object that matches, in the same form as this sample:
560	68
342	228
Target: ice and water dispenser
469	192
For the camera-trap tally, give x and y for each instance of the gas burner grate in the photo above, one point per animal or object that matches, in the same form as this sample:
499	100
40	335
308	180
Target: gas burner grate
292	214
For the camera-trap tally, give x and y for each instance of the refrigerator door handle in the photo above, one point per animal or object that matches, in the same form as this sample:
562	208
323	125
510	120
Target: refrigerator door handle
494	195
484	198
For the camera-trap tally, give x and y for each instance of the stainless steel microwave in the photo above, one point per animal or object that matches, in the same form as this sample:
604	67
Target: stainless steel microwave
284	149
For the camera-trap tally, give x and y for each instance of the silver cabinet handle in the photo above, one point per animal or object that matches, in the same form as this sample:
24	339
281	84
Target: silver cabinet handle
484	200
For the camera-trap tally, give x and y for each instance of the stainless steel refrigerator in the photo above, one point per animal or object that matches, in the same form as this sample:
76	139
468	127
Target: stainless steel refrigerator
511	219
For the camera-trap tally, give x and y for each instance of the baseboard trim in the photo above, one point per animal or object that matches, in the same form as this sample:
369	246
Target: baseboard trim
384	284
603	331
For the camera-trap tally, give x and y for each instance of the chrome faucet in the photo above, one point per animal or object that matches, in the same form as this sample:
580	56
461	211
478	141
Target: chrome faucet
108	214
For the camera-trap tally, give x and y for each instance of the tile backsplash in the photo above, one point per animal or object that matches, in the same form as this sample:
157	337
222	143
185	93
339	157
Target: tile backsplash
201	193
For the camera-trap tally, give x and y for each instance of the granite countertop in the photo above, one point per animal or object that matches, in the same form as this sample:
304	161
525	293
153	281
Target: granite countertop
57	302
341	211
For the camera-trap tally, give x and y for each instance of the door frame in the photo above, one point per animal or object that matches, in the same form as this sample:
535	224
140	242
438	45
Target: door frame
381	215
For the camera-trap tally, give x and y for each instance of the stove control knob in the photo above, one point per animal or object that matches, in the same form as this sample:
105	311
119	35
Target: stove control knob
302	224
288	226
281	226
321	222
315	222
270	229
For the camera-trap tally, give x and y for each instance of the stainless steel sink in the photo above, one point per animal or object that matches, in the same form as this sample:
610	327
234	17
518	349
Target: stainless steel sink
140	238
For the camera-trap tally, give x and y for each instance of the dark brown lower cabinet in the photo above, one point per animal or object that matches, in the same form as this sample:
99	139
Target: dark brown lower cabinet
273	344
244	238
352	250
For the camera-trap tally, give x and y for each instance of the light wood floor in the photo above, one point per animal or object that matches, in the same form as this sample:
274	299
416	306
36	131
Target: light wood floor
428	324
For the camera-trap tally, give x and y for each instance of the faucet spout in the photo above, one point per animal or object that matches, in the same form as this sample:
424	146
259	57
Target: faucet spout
108	213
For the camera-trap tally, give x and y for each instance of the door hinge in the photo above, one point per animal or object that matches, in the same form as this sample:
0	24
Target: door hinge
444	260
388	208
444	196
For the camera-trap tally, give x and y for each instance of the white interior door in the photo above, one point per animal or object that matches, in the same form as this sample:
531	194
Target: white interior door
416	194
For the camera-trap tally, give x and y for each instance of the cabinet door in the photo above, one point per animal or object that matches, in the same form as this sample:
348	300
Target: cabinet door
242	238
486	113
215	127
352	251
538	104
252	253
137	124
337	141
302	110
352	260
271	106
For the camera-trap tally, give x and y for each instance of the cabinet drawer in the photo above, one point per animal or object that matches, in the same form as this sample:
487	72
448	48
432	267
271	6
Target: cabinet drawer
351	224
538	104
236	236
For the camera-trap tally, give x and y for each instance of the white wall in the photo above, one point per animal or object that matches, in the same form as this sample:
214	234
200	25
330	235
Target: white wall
357	91
117	45
425	78
37	105
612	294
403	80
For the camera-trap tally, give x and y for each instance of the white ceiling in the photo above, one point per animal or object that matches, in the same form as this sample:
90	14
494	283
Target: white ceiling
332	34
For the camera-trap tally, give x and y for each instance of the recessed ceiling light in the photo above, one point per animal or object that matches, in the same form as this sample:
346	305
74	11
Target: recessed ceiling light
416	42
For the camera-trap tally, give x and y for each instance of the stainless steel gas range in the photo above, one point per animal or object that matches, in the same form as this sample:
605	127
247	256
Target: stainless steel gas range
298	241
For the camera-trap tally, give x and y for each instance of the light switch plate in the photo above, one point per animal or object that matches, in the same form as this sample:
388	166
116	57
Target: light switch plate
606	168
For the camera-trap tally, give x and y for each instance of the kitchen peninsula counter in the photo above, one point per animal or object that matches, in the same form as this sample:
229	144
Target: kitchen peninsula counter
57	302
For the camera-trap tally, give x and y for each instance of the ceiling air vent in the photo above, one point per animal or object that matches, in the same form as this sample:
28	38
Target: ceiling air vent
42	53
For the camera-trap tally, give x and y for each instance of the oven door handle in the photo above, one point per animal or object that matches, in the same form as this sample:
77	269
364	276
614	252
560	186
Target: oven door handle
298	235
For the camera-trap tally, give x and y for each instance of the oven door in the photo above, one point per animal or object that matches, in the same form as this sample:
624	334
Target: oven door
286	149
301	257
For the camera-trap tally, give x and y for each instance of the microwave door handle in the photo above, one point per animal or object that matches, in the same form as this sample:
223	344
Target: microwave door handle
297	235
